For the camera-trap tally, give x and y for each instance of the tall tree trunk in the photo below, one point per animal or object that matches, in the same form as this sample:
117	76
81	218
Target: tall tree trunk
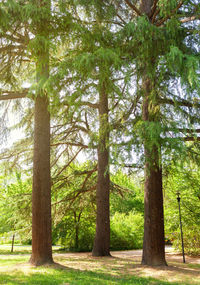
153	244
102	238
41	193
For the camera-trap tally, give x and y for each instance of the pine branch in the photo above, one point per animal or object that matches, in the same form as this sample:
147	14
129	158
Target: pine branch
9	95
121	19
71	144
191	139
179	103
89	104
171	14
58	157
72	199
19	39
155	14
133	7
190	19
189	130
155	2
73	158
87	177
86	171
10	48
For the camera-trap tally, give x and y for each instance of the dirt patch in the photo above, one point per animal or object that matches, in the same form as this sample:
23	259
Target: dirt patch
129	263
122	263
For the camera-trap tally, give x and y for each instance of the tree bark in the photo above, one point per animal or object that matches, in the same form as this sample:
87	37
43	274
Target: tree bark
13	242
102	238
77	225
41	193
153	244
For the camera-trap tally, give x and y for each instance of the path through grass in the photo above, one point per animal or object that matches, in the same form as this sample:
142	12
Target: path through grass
83	269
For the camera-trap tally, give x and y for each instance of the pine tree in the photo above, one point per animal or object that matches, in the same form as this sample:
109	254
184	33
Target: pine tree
41	193
36	13
153	31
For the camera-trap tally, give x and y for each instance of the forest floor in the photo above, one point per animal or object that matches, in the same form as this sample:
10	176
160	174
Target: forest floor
129	263
81	268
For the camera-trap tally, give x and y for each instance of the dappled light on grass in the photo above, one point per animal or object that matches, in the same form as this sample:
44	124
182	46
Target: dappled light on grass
83	269
172	273
127	263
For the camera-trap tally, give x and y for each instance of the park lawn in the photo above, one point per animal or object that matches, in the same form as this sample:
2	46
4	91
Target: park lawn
20	249
82	269
56	274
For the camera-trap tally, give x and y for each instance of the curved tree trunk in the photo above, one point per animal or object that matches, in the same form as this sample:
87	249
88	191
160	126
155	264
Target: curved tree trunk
41	193
102	238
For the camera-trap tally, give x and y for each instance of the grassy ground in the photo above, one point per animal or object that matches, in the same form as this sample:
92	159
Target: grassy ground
81	269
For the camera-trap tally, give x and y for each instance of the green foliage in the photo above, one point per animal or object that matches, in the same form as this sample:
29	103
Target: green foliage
64	233
15	206
191	236
166	6
130	198
66	274
126	231
74	225
184	179
126	207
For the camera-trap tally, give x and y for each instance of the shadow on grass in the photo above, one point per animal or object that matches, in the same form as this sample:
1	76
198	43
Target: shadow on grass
123	266
59	274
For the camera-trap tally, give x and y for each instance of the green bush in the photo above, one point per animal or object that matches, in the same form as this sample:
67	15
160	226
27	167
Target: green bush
191	238
86	237
65	233
126	231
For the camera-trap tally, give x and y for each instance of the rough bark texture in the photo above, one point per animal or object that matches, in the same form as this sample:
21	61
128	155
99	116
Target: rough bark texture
146	7
153	244
41	193
102	238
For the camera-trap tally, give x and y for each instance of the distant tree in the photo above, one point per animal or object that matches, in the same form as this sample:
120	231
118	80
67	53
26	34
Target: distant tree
15	206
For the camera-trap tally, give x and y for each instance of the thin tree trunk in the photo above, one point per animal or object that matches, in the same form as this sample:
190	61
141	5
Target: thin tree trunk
13	241
153	244
102	238
77	224
41	194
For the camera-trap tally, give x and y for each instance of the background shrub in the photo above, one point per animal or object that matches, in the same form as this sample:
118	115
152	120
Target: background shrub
126	231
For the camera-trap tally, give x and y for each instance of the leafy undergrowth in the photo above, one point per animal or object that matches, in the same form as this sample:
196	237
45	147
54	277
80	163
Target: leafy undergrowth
83	269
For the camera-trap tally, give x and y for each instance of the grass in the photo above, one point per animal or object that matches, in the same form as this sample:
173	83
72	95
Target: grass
19	249
83	269
52	275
